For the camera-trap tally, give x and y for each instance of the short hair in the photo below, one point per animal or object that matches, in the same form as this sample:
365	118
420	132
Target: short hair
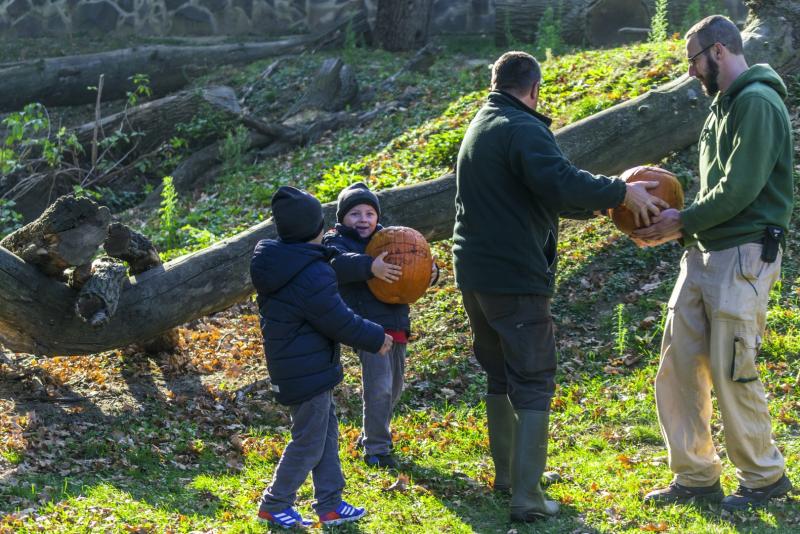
717	29
515	72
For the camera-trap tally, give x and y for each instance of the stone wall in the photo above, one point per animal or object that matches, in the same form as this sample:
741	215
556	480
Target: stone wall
37	18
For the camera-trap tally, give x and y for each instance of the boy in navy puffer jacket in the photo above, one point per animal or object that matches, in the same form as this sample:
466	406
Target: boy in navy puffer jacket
303	319
357	212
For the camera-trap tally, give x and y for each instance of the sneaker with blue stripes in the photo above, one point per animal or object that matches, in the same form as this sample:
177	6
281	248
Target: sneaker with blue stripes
343	513
288	518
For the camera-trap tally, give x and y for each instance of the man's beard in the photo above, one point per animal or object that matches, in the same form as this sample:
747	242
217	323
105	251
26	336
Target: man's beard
709	80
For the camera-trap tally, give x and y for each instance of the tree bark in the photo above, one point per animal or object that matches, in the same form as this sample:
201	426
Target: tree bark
66	235
131	247
98	298
37	315
156	122
333	87
64	81
403	24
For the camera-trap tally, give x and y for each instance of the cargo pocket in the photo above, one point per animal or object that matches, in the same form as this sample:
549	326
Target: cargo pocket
743	366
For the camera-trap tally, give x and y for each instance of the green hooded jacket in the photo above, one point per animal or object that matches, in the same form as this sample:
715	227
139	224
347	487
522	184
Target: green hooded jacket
512	184
745	164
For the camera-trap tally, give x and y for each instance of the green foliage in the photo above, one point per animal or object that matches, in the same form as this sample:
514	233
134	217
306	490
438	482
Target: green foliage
168	212
28	137
141	91
659	24
621	341
78	191
350	39
233	148
10	220
692	15
549	38
697	10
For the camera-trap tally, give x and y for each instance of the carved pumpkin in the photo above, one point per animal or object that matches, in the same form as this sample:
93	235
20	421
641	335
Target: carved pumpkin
408	249
669	190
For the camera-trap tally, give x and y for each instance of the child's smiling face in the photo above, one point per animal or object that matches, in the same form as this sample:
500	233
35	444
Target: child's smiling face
363	218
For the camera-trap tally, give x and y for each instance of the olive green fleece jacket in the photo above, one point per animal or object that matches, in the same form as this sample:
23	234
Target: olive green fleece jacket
745	164
512	184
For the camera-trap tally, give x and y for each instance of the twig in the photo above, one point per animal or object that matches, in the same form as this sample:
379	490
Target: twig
262	77
97	119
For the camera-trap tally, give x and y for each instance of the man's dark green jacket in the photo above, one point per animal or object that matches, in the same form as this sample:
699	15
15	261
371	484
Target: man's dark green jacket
746	164
513	182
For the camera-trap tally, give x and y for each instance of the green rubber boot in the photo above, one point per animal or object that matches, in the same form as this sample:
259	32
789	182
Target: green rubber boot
501	422
529	456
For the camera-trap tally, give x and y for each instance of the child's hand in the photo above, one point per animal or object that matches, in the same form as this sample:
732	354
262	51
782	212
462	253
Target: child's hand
387	345
388	272
434	272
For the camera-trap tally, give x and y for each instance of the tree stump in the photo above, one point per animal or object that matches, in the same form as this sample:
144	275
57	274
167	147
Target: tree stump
131	247
66	235
333	87
403	25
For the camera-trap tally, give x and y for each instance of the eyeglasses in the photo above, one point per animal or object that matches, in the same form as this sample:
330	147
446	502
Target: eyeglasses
692	59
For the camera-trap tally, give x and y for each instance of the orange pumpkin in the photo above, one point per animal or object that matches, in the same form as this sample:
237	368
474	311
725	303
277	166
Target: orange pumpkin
669	189
408	249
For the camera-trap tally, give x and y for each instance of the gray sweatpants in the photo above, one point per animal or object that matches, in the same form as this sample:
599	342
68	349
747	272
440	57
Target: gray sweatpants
314	447
382	384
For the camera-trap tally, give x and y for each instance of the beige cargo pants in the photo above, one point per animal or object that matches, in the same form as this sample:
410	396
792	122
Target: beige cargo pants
712	334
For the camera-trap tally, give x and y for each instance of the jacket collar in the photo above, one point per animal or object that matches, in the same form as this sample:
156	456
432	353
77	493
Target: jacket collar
502	98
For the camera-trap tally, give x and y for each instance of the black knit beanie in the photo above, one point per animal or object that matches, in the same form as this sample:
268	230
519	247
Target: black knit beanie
297	215
352	196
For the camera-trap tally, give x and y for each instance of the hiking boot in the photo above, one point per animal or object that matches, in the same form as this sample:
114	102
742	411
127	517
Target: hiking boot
343	514
288	518
500	422
744	498
677	493
380	460
529	456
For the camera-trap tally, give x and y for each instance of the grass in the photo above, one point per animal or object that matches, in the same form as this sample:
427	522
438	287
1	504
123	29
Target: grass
186	442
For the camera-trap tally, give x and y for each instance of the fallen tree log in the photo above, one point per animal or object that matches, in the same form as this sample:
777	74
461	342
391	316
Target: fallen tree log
155	122
66	81
670	118
98	298
37	315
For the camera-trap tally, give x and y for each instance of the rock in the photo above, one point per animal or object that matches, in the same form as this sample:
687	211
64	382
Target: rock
172	5
125	5
246	6
96	17
56	24
215	6
28	25
17	8
191	20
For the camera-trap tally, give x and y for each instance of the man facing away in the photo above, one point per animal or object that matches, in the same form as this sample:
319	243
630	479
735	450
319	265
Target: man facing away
513	182
734	232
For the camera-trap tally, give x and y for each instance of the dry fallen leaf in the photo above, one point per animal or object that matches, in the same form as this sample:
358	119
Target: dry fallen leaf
401	484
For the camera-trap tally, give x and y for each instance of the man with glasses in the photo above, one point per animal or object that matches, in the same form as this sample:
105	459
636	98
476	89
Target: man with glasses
734	232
